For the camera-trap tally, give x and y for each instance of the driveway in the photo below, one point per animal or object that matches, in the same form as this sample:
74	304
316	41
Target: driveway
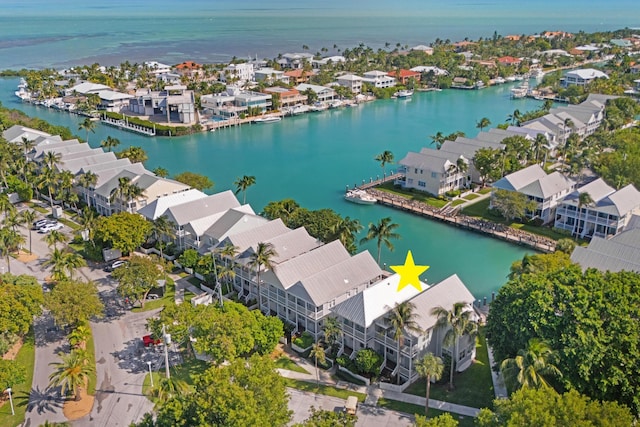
368	416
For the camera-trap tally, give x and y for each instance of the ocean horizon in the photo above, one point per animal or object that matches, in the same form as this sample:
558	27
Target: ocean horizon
39	34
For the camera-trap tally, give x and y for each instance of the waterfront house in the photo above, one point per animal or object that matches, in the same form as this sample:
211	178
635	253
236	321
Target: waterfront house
509	61
365	324
546	190
85	88
288	96
113	101
426	69
581	77
156	68
434	171
351	82
378	79
174	104
618	253
294	60
16	132
322	92
422	48
404	76
606	215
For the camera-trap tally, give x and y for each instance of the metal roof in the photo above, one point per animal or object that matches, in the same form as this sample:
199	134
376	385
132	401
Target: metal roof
621	252
186	212
159	206
231	222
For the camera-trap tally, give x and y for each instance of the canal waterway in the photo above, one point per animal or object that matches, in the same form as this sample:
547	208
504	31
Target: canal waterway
312	158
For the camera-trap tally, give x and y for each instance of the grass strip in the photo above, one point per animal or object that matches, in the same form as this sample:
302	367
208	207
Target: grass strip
312	387
283	362
409	408
20	392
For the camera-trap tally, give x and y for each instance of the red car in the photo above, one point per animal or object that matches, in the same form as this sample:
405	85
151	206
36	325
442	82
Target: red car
147	341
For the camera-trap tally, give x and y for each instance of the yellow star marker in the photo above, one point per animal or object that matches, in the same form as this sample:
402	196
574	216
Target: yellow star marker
409	273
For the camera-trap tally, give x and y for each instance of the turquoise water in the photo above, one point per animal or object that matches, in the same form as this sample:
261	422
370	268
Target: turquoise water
44	33
312	158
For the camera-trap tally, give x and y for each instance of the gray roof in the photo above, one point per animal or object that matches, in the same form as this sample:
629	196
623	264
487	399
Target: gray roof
443	294
87	162
187	212
432	160
520	179
106	188
231	222
597	190
82	153
625	200
262	233
336	280
16	132
199	226
621	252
307	264
158	207
291	244
549	185
57	146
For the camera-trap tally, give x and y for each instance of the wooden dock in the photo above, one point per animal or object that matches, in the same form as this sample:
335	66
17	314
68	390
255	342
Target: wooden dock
125	125
452	217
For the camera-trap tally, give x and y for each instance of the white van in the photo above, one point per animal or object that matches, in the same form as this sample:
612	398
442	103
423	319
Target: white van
351	405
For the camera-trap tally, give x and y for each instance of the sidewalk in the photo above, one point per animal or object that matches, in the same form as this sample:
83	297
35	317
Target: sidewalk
373	392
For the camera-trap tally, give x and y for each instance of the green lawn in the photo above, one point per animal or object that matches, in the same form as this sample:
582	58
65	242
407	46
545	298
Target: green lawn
72	225
38	208
168	298
20	392
91	352
481	210
485	190
283	362
458	202
473	387
311	387
186	372
343	376
409	408
412	195
471	196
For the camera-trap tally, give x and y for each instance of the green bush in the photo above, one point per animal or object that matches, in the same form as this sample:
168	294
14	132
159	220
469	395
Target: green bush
368	362
161	130
189	258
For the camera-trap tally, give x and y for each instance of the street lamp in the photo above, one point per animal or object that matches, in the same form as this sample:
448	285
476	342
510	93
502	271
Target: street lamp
167	341
150	373
10	400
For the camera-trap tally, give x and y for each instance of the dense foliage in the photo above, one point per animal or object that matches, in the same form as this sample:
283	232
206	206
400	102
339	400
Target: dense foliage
124	231
591	319
544	407
195	180
239	394
511	204
323	418
21	299
74	302
620	166
137	278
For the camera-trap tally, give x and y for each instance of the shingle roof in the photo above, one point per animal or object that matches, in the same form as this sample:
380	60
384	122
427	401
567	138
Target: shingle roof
307	264
291	244
158	207
336	280
432	160
186	212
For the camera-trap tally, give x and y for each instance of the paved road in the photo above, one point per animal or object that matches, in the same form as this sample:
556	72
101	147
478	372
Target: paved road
368	416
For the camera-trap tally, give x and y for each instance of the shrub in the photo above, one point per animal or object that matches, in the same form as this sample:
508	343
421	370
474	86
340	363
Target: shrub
304	341
368	361
189	258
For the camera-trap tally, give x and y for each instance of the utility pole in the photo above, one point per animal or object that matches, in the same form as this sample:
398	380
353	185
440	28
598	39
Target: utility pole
167	340
218	285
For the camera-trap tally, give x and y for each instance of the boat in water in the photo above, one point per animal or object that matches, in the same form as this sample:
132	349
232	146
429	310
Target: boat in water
270	119
403	93
360	197
520	91
23	92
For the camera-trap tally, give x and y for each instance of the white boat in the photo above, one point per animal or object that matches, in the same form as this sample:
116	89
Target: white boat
336	104
270	119
511	79
405	93
537	73
360	197
499	80
22	91
298	109
520	91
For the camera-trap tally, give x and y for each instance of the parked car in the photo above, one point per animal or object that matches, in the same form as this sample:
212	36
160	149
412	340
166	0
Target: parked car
50	227
351	405
42	222
116	264
151	297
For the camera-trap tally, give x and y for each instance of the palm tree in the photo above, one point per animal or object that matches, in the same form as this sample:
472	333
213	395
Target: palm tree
55	237
110	143
385	158
52	159
515	117
6	207
73	261
382	232
72	373
161	227
13	219
332	330
459	321
344	230
530	367
161	172
167	388
10	241
58	263
539	143
87	125
29	216
429	367
79	336
483	123
88	220
584	199
403	318
47	179
125	192
87	180
317	352
262	257
438	139
242	184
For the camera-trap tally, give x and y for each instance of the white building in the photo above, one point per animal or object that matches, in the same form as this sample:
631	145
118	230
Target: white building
238	73
269	75
175	103
607	214
378	79
581	77
294	60
324	93
351	81
546	190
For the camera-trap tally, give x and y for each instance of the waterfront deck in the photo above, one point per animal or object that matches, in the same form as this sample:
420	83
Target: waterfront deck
125	125
452	216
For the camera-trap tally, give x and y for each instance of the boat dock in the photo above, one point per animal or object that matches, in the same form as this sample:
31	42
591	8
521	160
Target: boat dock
125	125
452	216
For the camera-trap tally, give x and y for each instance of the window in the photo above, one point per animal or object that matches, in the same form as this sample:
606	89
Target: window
434	174
421	184
415	171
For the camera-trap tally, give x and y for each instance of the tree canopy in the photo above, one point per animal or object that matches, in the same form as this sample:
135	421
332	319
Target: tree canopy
322	418
545	407
74	302
511	204
591	319
21	299
137	278
123	230
195	180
